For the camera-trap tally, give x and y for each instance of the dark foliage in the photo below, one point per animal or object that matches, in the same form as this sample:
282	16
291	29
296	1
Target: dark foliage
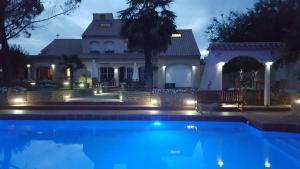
148	26
267	21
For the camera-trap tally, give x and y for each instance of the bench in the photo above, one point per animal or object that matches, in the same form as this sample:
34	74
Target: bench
226	97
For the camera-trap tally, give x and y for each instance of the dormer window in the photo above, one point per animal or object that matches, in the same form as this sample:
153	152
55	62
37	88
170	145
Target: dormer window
94	47
176	35
105	25
109	47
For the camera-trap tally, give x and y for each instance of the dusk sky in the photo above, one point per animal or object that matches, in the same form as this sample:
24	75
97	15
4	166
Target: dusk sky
191	14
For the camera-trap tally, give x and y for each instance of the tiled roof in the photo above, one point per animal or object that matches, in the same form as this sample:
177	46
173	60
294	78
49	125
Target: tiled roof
181	46
184	46
95	30
59	47
245	45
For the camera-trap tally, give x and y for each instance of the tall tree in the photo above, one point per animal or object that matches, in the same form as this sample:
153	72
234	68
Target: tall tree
73	63
19	17
267	21
148	25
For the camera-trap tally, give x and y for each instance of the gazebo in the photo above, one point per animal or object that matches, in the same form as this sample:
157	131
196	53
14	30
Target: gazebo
220	53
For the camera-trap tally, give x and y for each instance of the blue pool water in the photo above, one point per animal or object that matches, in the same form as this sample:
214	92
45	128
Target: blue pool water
144	145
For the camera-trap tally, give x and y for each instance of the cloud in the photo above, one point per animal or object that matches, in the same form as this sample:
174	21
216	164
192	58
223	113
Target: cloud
191	14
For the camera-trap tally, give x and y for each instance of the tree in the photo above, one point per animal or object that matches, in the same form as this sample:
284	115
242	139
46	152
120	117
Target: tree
73	63
19	17
148	26
267	21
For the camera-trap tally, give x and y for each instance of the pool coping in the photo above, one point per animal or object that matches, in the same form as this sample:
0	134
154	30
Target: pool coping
263	126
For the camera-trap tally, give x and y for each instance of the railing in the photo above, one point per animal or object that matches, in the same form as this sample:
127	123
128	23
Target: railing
208	97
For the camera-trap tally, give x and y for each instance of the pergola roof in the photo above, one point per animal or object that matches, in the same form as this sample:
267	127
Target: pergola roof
245	45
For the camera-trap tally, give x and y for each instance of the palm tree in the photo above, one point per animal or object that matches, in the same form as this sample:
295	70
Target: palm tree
148	26
73	63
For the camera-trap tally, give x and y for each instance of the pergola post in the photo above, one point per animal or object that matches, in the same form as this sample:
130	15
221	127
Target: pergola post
267	88
116	76
220	75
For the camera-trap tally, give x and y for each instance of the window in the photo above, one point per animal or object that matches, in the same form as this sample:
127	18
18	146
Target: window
176	35
94	47
105	25
129	73
142	74
109	47
107	74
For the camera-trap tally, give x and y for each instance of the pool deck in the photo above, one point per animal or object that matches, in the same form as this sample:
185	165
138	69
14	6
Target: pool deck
266	121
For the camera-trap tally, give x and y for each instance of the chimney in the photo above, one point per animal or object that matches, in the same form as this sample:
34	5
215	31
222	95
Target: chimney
103	16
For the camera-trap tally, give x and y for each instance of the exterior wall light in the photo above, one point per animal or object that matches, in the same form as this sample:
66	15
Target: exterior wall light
53	66
164	68
220	65
194	68
297	101
269	64
28	65
121	98
32	83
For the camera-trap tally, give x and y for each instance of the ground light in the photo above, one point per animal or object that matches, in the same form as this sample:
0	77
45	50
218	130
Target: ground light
154	101
190	102
81	85
18	100
157	123
66	83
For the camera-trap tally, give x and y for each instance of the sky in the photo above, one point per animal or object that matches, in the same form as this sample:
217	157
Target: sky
191	14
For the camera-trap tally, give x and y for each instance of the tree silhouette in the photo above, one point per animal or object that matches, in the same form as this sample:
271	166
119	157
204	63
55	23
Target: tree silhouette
148	26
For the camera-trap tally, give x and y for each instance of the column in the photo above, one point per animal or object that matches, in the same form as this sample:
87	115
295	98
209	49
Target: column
116	76
28	72
267	90
219	74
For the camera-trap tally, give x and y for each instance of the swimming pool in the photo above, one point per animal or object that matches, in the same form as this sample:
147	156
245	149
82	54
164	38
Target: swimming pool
144	145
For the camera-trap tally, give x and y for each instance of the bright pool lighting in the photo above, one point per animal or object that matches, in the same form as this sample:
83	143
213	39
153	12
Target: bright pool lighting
191	127
157	123
18	100
267	164
220	163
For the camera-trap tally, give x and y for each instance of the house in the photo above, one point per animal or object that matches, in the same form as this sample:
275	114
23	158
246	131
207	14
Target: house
109	62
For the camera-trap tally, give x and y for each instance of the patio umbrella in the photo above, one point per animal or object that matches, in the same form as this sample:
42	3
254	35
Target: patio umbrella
135	75
94	69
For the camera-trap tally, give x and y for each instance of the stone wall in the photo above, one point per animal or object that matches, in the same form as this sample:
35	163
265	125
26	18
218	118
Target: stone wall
49	96
163	99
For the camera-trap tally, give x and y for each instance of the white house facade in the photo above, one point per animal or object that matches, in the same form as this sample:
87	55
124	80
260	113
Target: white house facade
108	60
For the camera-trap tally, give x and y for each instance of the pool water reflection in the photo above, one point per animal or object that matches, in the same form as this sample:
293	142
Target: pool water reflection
143	145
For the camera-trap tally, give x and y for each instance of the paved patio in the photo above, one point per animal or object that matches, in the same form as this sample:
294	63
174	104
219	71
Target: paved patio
267	121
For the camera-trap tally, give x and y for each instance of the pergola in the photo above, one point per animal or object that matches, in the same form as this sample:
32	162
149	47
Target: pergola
221	53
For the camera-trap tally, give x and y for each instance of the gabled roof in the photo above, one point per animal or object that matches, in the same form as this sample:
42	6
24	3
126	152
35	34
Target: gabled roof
59	47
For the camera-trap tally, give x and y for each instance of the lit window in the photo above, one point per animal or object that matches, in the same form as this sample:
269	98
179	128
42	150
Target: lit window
176	35
105	25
